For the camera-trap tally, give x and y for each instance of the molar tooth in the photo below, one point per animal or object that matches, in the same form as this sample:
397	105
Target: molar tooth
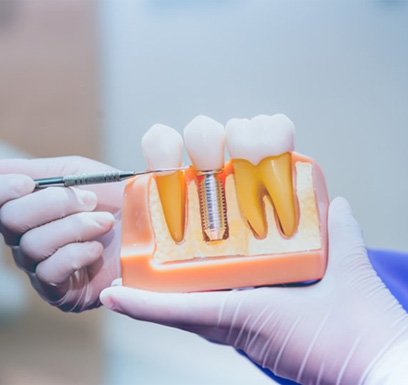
163	148
265	142
262	136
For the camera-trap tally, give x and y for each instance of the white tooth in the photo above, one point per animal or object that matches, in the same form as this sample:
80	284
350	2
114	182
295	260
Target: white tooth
162	147
260	137
205	138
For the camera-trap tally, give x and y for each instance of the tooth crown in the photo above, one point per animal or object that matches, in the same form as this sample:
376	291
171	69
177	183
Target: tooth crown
205	140
260	137
162	147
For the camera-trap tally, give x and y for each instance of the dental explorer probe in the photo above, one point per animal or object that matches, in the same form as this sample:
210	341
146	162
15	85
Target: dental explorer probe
96	178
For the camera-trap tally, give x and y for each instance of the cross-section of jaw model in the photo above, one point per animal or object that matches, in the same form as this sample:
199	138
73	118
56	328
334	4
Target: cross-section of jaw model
259	219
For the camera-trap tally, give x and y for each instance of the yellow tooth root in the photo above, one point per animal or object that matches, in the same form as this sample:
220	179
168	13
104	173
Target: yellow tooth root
249	194
276	175
172	192
272	176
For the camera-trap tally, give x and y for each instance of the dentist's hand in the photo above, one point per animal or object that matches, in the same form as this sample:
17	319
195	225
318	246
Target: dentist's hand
346	329
67	240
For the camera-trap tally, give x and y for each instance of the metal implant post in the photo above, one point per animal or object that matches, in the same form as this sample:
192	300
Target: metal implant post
213	208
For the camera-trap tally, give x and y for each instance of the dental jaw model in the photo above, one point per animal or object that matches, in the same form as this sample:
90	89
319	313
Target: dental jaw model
260	219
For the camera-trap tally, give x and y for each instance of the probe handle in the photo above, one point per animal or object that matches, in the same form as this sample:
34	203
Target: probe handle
83	179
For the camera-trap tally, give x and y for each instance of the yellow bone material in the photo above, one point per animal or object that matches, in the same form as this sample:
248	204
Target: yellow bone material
271	176
172	192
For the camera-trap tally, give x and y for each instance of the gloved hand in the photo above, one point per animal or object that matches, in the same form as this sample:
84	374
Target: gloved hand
66	239
337	331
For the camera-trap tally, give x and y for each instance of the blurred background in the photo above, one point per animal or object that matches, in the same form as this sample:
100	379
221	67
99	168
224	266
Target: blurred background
89	77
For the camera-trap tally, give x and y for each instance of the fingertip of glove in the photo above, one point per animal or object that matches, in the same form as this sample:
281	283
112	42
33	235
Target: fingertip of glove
88	199
117	282
22	185
340	203
341	220
105	219
106	298
339	207
28	184
112	297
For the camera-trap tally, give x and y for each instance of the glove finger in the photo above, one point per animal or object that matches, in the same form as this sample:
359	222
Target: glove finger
67	260
14	186
188	311
33	210
35	168
41	242
340	215
49	167
345	237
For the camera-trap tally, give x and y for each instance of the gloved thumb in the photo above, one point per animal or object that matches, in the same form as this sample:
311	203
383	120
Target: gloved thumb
187	311
345	237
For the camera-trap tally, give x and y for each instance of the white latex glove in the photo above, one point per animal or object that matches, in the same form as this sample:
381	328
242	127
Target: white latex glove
67	240
333	332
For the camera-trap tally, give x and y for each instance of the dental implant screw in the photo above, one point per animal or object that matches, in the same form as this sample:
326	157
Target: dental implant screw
213	208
